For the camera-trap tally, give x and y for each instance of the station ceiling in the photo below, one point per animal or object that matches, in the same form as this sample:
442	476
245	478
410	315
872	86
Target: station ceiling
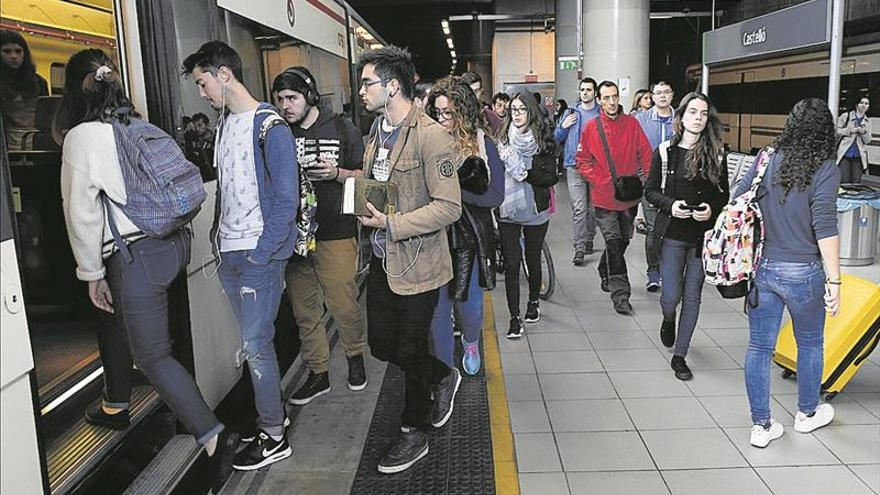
416	24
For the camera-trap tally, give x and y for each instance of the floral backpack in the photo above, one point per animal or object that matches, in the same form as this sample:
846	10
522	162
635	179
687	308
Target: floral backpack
732	249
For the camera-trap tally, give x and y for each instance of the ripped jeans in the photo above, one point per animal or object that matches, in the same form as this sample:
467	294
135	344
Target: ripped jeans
254	292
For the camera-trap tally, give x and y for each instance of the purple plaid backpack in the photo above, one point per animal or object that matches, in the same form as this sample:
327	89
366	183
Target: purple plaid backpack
164	190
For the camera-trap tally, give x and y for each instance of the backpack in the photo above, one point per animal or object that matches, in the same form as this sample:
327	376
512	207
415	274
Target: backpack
732	249
306	221
164	190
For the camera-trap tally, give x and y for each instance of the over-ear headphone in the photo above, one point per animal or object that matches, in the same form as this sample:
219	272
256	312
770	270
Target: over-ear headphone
313	98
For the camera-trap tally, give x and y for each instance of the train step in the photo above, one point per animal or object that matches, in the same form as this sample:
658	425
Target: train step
168	467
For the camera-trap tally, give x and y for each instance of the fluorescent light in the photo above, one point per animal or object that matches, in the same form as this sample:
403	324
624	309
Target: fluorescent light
446	30
72	391
449	43
453	54
445	24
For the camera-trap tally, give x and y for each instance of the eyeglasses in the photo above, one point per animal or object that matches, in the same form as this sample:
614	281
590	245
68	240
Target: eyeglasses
367	83
444	114
518	110
665	92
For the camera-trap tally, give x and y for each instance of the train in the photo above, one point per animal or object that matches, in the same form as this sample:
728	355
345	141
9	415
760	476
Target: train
51	369
753	98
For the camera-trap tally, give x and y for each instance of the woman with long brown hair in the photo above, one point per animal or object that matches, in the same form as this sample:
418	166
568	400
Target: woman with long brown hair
688	184
472	239
528	150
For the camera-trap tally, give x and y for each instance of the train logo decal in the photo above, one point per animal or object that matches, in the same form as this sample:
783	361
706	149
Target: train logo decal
291	13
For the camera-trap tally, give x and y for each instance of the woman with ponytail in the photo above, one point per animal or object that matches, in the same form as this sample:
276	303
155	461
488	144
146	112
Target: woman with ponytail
134	288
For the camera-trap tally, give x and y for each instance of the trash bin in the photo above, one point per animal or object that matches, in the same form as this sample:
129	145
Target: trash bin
858	223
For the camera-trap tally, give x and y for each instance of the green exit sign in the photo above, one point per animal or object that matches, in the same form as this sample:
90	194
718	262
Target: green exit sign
568	63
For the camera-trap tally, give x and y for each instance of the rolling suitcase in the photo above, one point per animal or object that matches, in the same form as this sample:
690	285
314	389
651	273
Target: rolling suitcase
849	337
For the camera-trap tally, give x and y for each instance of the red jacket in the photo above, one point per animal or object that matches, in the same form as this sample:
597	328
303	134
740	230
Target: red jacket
630	149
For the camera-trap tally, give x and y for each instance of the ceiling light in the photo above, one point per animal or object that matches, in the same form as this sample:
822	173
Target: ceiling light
453	54
449	43
445	24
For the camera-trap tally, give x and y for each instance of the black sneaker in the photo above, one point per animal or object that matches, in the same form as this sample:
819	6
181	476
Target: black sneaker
578	259
316	385
252	434
588	248
516	328
357	375
411	446
533	312
444	398
622	306
604	284
95	415
667	333
262	452
221	461
682	372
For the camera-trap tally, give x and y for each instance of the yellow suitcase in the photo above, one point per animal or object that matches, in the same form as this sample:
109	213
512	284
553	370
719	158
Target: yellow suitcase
849	337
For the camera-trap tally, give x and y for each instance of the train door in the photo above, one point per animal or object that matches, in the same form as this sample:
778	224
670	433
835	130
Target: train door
744	115
21	469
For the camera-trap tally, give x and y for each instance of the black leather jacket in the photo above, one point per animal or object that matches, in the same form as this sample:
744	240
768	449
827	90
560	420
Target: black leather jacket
472	237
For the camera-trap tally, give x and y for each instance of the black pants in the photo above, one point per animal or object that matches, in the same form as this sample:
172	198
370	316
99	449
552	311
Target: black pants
399	332
513	253
617	230
850	170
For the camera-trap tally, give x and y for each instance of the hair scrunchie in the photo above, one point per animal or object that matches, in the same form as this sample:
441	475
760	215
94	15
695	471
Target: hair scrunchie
102	72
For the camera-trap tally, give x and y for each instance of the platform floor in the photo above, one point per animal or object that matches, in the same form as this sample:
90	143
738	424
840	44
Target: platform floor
593	407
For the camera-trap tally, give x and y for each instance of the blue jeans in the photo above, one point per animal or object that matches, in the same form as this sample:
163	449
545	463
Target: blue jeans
140	299
682	270
800	287
254	292
468	314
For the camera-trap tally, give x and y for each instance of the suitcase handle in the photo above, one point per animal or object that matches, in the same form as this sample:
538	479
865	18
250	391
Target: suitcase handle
867	352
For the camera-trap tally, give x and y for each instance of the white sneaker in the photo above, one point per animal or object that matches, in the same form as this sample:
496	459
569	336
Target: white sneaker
805	424
761	437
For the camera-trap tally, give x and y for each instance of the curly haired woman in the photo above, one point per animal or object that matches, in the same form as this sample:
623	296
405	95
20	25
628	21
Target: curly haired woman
454	105
800	233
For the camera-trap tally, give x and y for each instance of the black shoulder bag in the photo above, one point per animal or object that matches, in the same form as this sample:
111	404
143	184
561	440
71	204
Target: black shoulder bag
626	188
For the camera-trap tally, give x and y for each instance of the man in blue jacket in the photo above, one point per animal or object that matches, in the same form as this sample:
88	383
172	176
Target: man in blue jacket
657	125
568	133
254	231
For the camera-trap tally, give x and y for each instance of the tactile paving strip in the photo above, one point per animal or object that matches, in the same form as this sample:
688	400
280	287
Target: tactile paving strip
459	461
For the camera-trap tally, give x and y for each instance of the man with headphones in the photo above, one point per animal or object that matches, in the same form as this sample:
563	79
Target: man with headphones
329	149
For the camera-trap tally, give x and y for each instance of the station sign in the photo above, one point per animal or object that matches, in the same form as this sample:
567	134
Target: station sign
794	28
317	22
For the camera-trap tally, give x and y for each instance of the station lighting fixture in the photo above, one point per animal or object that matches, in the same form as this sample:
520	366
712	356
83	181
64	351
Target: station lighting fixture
444	23
453	54
449	43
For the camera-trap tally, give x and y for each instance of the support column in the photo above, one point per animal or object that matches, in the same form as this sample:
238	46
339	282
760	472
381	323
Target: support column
479	59
568	44
616	35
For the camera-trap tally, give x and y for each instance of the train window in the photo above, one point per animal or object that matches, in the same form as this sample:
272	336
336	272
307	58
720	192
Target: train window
56	78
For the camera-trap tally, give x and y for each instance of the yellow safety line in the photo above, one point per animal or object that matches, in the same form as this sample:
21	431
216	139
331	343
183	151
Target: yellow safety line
506	477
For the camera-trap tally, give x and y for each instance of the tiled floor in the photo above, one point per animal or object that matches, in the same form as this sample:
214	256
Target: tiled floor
595	409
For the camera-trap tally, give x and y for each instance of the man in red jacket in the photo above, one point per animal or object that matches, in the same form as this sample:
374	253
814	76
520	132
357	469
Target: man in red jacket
631	154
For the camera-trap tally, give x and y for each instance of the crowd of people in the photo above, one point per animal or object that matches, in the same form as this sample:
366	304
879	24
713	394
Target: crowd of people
469	176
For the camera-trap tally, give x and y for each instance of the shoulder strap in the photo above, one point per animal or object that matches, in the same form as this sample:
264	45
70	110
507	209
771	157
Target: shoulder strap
664	163
611	166
272	119
763	163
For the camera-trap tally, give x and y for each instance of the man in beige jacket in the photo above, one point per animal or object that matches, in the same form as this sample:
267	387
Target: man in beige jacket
407	250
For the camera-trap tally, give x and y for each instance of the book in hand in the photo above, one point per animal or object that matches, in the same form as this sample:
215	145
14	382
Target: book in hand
357	192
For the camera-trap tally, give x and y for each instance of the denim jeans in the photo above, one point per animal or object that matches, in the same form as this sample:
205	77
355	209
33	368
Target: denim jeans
583	218
617	230
800	287
682	270
468	315
652	252
254	292
116	359
398	331
140	299
533	236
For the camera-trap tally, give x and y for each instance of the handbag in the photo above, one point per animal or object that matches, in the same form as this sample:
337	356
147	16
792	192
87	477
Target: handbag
626	188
